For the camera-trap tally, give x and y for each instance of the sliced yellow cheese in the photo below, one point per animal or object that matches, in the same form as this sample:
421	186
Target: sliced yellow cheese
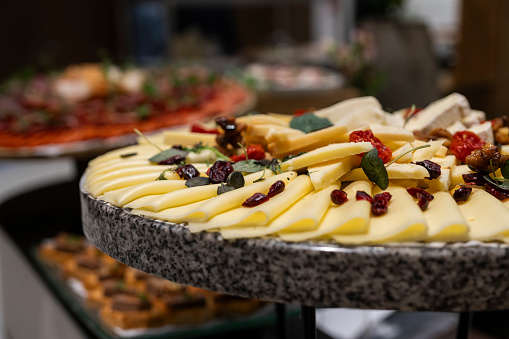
185	138
457	174
115	155
406	182
487	216
350	218
442	183
122	172
391	133
263	130
428	152
448	161
442	151
116	165
444	219
326	153
404	152
285	117
130	180
394	171
261	214
324	174
304	215
265	119
404	221
125	195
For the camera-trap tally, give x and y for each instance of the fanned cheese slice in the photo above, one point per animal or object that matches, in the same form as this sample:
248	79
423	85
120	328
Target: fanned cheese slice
261	214
115	155
348	107
391	133
324	174
123	172
428	152
185	138
394	171
350	218
404	221
444	219
303	215
326	153
204	210
188	195
487	216
123	196
131	180
116	165
407	157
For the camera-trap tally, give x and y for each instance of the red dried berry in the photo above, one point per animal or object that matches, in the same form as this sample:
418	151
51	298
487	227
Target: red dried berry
380	203
255	200
219	171
187	172
338	197
498	193
177	147
474	179
422	201
361	195
276	188
462	193
413	191
433	168
176	159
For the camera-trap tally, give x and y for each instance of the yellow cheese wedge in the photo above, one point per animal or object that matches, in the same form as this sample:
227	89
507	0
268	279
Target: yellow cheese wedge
442	183
324	174
285	117
125	195
394	171
444	219
116	165
457	174
428	152
94	179
404	221
115	155
261	214
263	130
448	161
442	151
487	216
204	210
304	215
406	158
326	153
406	182
156	138
130	180
391	133
265	119
350	218
185	138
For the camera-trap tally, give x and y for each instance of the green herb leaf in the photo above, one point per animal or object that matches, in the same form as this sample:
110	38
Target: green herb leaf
291	156
374	168
235	179
162	177
223	188
402	155
197	181
309	123
505	170
143	111
166	154
248	166
498	182
260	178
128	155
199	147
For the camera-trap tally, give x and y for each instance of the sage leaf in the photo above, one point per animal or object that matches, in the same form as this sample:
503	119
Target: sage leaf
248	166
374	168
505	170
128	155
161	176
502	184
309	123
197	181
235	179
223	188
166	154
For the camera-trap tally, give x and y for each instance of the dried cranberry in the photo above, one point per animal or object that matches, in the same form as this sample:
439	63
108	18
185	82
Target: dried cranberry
498	193
176	159
474	178
255	200
422	201
413	191
338	197
187	172
276	188
219	171
433	168
361	195
462	193
380	203
177	147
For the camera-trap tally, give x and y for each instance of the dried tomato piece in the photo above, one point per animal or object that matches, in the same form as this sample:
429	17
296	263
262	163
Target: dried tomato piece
433	168
254	151
255	200
276	188
176	159
462	194
474	179
498	193
380	203
187	172
338	197
361	195
465	142
198	129
219	171
407	112
384	152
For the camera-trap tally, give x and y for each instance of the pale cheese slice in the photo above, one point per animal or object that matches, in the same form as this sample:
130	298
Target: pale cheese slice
326	153
350	218
456	127
324	174
444	219
504	149
277	135
442	151
261	214
404	221
130	180
304	215
263	130
346	108
487	216
94	178
448	161
428	152
107	199
442	183
115	155
123	196
404	152
186	138
116	165
285	117
265	119
457	174
391	133
394	171
204	210
484	131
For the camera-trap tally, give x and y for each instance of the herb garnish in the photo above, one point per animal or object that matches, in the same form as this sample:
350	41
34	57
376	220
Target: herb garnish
147	139
248	166
374	168
200	147
505	170
260	178
127	155
501	183
197	181
162	177
143	111
402	155
309	123
235	180
166	154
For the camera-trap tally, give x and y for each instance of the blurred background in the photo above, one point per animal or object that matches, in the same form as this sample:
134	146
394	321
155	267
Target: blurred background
293	54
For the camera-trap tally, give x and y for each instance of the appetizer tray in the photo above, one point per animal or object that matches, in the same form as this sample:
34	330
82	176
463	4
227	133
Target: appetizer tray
456	277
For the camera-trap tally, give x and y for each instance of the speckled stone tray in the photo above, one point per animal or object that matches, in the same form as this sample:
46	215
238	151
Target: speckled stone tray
435	277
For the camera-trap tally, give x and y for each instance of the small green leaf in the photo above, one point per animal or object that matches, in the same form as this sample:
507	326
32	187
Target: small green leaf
199	147
374	168
498	182
505	170
166	154
161	176
223	188
309	123
248	166
402	155
197	181
128	155
143	111
235	179
260	178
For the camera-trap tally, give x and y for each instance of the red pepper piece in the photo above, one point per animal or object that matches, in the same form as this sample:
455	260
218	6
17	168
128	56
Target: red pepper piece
198	129
254	151
384	152
465	142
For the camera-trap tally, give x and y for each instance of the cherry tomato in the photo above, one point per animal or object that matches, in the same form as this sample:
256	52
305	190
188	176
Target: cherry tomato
384	152
254	151
465	142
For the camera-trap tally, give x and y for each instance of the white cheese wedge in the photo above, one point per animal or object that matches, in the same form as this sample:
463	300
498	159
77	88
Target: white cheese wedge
456	127
394	119
404	221
440	113
185	138
457	174
391	133
304	215
125	195
474	117
444	219
406	158
324	174
428	152
261	214
346	108
487	216
484	131
130	180
326	153
350	218
394	171
274	135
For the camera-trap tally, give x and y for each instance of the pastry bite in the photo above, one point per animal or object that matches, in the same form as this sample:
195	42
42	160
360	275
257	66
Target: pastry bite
137	278
188	308
228	305
103	293
132	311
85	268
63	248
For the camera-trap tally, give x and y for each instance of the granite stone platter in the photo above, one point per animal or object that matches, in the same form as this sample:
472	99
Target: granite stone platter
410	277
